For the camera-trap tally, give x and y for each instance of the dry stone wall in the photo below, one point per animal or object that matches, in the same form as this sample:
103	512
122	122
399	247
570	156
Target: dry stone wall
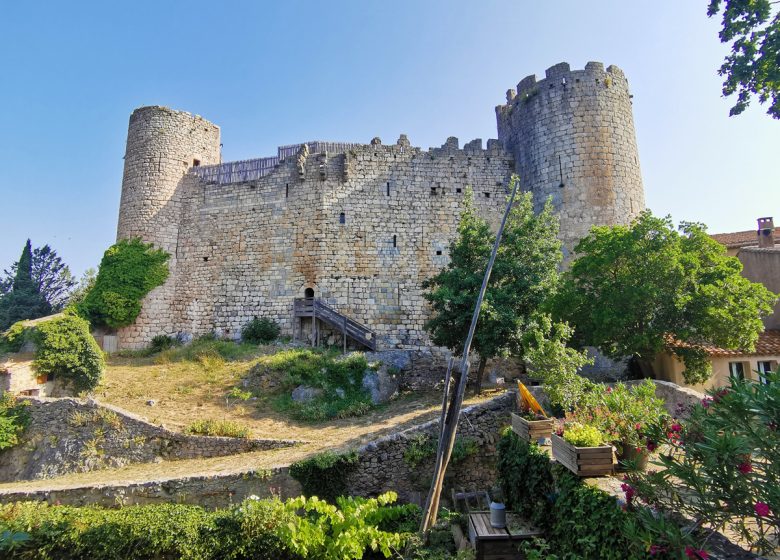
383	466
68	435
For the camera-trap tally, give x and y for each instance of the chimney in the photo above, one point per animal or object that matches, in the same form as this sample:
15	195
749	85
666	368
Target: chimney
766	232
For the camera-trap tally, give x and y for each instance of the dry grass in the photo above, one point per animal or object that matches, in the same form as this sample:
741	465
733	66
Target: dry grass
186	391
191	390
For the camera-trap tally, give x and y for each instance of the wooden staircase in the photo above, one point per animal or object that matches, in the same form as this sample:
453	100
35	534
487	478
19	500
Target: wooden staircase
318	310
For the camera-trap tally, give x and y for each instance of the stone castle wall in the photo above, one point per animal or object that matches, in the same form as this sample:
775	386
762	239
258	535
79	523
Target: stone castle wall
572	136
68	435
362	225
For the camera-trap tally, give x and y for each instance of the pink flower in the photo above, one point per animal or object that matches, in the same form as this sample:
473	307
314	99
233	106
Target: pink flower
745	467
638	427
762	509
706	402
691	552
630	492
651	445
609	389
676	427
656	549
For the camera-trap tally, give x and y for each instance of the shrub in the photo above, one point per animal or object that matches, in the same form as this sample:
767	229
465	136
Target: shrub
14	338
578	520
162	342
422	447
129	270
583	435
260	331
721	468
623	414
66	349
221	428
325	474
206	348
339	377
14	419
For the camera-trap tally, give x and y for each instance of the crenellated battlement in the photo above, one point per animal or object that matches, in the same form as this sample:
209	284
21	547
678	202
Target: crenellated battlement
562	77
256	168
361	225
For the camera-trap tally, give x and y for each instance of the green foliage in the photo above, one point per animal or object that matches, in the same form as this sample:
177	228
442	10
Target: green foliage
14	338
752	67
66	349
623	414
525	477
129	270
339	377
583	435
14	419
50	276
551	361
524	275
579	521
254	530
343	531
721	468
162	342
85	284
260	331
422	447
206	349
639	289
20	296
325	474
222	428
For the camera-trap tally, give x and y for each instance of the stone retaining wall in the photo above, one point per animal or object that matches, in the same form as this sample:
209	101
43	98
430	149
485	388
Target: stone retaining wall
216	491
382	465
70	435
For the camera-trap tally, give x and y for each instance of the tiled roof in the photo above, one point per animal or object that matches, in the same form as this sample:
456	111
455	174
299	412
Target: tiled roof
740	238
768	344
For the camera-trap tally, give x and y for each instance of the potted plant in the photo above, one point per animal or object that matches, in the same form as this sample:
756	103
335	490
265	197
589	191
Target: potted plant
532	426
583	450
623	414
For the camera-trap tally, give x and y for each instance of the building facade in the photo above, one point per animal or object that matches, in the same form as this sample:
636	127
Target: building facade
360	226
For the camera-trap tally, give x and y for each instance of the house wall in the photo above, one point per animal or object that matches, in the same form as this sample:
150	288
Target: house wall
763	265
668	367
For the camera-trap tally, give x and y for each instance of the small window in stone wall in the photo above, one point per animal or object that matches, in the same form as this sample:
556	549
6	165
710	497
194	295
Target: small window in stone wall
438	252
195	162
433	191
205	259
286	190
395	242
458	190
388	188
487	195
342	218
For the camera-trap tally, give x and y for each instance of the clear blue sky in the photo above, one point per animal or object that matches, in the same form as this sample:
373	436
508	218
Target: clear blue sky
272	73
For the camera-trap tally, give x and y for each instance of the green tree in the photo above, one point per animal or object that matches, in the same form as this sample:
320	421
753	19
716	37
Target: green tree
50	275
523	277
129	270
85	284
22	300
636	290
753	67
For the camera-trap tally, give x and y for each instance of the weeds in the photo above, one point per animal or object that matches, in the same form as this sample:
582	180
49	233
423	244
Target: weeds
222	428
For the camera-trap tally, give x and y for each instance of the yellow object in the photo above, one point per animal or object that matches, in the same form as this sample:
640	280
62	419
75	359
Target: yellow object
527	400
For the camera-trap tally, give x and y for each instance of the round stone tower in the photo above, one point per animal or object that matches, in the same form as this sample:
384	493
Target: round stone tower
162	145
572	137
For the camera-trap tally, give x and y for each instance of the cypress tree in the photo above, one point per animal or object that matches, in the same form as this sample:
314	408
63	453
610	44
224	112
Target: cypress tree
24	301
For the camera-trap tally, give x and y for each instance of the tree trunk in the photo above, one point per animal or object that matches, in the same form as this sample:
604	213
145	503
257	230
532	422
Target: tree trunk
480	373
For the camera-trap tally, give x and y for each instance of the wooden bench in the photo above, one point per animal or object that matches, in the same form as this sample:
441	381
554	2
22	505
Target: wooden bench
491	543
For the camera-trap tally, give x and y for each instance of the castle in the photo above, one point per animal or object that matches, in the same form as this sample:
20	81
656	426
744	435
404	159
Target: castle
333	240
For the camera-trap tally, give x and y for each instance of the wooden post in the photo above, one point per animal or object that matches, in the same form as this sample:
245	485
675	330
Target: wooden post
452	414
313	324
345	334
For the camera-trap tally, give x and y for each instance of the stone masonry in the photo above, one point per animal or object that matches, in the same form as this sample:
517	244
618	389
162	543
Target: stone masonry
68	435
361	225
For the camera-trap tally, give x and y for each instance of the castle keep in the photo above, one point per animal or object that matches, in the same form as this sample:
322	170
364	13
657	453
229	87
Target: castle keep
356	228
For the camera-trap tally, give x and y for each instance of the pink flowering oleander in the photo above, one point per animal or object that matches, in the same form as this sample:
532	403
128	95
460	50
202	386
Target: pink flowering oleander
762	509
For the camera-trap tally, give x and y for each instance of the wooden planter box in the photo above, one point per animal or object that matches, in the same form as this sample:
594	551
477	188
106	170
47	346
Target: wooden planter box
531	430
583	461
499	544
